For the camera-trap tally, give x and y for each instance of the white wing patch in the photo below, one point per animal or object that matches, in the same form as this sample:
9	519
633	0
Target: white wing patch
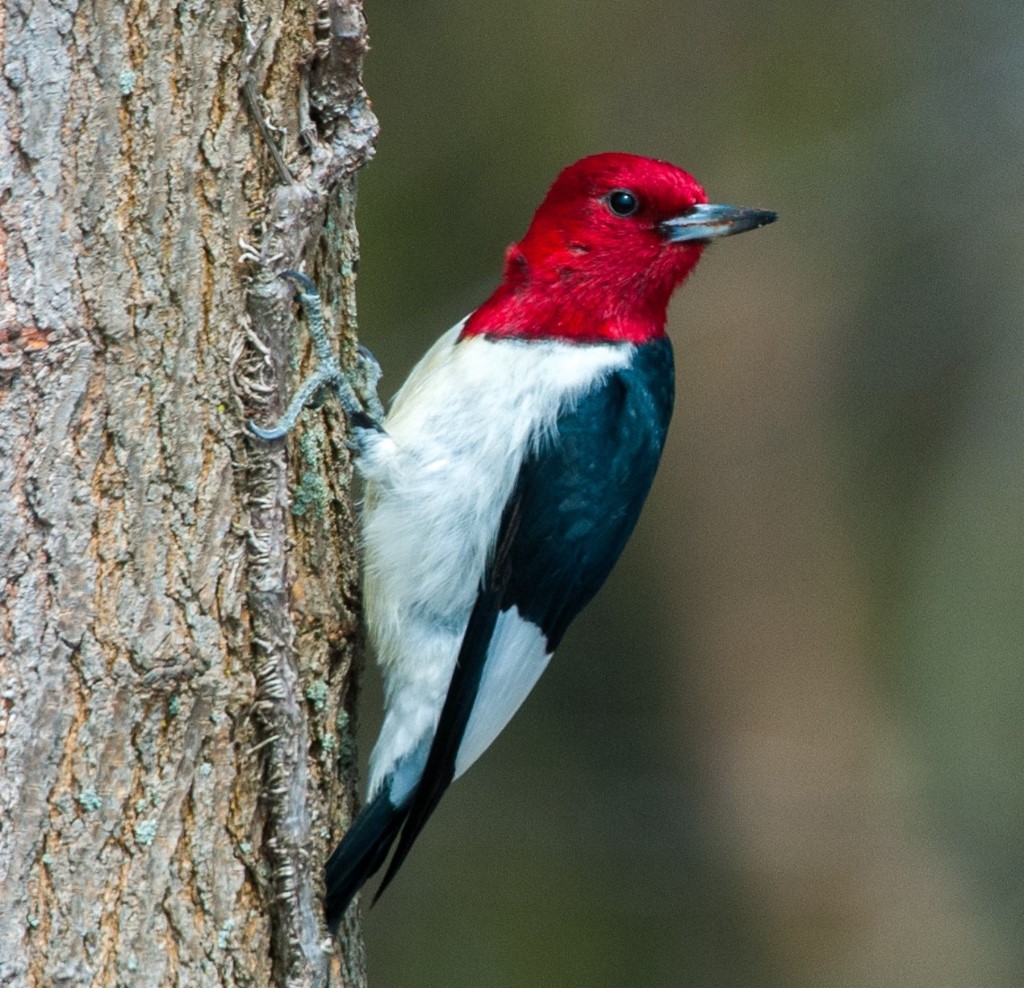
515	660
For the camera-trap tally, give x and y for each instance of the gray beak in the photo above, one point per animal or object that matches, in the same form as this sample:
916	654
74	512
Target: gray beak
714	220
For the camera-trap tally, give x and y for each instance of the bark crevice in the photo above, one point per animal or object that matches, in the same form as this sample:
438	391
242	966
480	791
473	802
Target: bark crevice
295	215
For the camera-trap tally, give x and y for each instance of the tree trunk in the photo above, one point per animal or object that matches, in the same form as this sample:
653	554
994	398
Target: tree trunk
178	612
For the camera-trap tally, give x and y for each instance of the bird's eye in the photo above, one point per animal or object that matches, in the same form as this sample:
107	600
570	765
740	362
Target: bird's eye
622	202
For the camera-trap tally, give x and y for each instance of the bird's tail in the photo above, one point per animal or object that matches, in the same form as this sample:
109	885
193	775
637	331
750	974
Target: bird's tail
361	852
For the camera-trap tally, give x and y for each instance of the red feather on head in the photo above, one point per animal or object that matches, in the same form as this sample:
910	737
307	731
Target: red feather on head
586	273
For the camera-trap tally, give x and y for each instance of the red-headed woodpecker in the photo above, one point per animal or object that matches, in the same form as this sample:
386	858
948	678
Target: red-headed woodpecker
508	475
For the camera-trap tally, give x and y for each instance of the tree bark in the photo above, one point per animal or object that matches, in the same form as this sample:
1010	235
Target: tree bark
178	601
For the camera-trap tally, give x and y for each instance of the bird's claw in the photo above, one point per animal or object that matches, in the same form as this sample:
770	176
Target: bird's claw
303	281
269	435
355	391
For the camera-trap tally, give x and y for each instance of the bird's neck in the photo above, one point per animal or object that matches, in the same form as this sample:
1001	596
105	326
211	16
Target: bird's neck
557	287
567	299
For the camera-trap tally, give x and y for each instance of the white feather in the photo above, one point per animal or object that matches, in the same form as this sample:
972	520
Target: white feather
517	656
437	483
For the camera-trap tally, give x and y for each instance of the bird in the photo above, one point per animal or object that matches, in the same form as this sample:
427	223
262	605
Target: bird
506	478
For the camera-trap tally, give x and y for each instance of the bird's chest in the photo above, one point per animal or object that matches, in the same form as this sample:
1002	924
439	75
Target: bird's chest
458	433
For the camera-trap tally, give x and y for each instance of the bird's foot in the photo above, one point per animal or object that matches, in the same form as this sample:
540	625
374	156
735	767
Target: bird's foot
356	391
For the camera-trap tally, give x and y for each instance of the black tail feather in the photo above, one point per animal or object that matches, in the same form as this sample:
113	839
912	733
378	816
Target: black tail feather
366	845
458	705
361	853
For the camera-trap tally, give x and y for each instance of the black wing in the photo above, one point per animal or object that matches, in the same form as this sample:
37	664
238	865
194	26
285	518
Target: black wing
570	515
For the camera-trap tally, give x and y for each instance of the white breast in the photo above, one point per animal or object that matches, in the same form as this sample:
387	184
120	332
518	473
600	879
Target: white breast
436	487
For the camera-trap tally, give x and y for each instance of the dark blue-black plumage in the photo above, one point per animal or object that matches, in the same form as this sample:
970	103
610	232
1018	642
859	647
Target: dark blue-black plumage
579	495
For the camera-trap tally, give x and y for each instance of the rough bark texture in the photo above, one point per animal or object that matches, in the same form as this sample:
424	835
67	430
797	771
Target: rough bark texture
177	600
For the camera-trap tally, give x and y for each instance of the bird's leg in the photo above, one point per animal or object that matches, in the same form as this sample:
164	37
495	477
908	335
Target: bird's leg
365	377
356	391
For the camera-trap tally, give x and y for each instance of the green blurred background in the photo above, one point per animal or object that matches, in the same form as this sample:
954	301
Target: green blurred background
784	745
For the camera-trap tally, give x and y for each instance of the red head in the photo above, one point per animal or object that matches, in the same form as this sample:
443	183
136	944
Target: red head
613	238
